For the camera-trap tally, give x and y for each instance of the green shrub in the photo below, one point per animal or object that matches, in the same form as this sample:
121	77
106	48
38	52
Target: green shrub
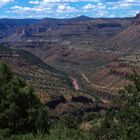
20	109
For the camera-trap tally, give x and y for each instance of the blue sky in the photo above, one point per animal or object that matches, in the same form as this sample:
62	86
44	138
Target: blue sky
68	8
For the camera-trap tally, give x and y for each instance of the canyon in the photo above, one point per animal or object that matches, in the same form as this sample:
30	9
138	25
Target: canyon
97	56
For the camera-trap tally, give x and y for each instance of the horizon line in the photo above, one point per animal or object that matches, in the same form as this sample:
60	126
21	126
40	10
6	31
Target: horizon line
75	17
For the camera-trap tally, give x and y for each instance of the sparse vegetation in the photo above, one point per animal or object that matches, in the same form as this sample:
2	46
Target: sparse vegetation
95	57
35	71
23	116
20	109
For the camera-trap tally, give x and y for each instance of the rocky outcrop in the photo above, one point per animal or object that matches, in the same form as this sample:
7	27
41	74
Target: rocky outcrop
124	73
56	101
81	99
33	29
138	16
136	20
76	105
9	26
79	108
108	25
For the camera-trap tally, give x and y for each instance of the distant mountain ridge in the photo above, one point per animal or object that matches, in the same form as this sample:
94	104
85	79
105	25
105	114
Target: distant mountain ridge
10	26
83	47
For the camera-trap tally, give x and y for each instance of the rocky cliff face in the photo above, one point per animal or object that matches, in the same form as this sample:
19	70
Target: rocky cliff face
9	26
75	104
136	20
138	16
30	30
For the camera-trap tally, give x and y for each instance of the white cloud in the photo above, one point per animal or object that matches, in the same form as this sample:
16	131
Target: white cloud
123	4
62	8
34	2
102	13
100	6
97	6
59	1
52	1
3	2
58	7
65	8
89	6
21	10
130	0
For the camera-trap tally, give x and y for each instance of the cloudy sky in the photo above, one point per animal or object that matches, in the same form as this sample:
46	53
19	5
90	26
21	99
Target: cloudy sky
68	8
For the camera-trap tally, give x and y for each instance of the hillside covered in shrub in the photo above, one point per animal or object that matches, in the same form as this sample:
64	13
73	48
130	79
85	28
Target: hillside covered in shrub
24	117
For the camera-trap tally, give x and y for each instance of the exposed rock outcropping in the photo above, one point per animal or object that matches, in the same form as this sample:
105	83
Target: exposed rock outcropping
136	21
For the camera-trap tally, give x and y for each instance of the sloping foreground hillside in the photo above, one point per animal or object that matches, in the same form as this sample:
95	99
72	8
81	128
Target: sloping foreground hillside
42	76
53	87
23	116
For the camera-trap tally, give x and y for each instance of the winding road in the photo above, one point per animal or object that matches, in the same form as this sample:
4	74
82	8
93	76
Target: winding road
97	86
